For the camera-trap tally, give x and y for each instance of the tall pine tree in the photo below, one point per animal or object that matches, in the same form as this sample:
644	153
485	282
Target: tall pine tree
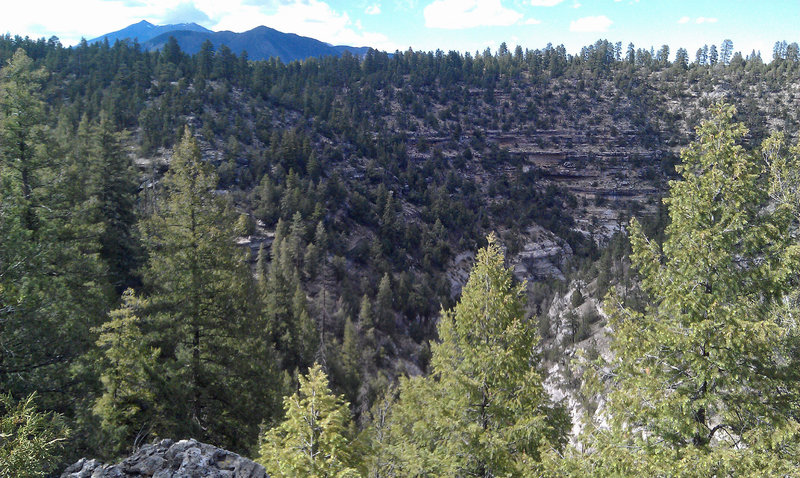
52	287
128	406
705	378
482	411
113	184
314	438
214	349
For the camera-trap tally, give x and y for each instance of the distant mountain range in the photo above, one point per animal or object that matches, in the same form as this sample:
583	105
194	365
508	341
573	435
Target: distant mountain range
145	30
260	43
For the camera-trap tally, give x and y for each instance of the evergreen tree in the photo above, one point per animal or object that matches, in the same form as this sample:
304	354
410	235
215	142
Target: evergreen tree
113	184
383	304
726	52
314	438
366	318
366	324
706	378
22	133
201	305
713	56
381	462
98	173
128	406
52	290
285	304
681	59
482	411
305	337
350	360
29	440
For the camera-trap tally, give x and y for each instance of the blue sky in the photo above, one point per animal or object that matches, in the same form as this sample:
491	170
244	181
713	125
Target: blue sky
463	25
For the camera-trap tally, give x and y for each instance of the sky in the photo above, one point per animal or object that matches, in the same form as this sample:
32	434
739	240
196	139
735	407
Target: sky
462	25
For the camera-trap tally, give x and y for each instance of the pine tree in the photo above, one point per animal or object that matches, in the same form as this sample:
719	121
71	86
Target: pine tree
100	175
305	337
113	184
22	132
350	360
321	238
52	287
314	438
482	411
29	440
383	304
380	463
713	56
285	305
128	406
706	377
202	307
366	318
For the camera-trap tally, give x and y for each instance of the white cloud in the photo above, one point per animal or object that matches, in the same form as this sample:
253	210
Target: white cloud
374	9
576	5
459	14
545	3
700	20
78	18
312	18
684	20
532	21
185	12
591	24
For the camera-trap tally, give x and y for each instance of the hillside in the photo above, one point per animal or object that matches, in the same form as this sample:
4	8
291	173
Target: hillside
359	189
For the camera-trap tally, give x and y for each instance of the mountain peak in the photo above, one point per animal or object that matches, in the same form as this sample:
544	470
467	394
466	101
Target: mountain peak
261	43
144	30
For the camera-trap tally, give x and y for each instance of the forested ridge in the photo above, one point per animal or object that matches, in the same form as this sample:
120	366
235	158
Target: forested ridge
275	258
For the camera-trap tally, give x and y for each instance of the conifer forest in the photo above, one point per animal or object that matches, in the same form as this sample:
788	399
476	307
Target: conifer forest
510	263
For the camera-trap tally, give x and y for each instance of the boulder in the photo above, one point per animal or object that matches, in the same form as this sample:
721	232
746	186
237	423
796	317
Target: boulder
170	459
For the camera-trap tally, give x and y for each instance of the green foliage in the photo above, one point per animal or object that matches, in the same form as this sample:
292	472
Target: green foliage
52	282
314	438
201	306
128	406
383	304
482	411
286	307
705	378
99	173
30	441
350	361
380	462
368	155
366	318
113	184
577	299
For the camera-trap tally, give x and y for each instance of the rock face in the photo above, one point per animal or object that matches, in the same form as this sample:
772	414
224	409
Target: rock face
169	459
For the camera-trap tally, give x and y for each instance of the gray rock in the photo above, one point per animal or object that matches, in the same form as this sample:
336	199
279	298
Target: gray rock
169	459
83	468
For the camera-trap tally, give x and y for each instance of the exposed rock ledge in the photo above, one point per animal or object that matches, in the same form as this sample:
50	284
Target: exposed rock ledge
169	459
